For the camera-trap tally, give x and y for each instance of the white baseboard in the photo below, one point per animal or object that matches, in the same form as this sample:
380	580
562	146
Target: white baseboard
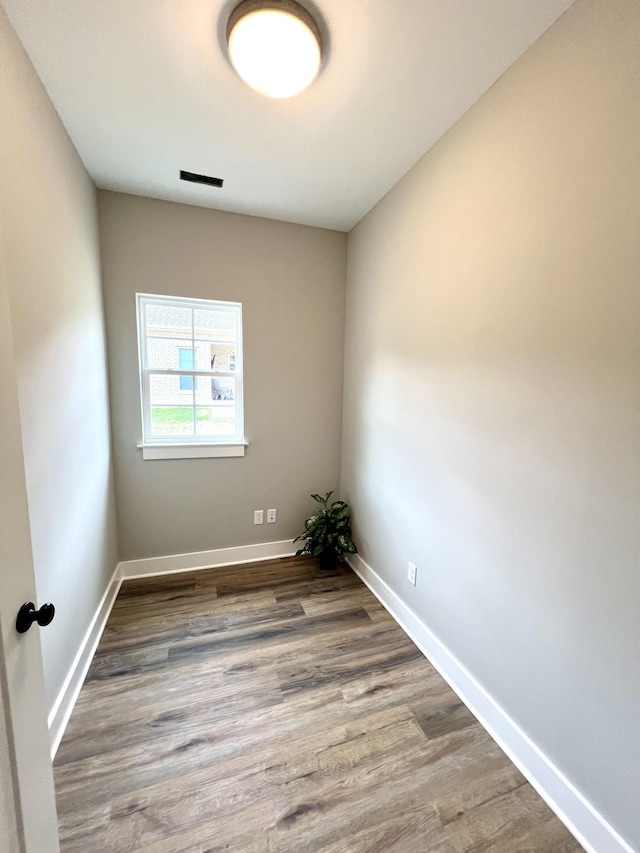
149	567
68	695
573	809
152	566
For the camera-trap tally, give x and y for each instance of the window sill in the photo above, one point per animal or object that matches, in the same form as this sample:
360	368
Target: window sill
190	450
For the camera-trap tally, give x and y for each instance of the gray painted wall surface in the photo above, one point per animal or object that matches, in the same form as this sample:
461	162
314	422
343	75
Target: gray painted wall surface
290	279
492	396
49	219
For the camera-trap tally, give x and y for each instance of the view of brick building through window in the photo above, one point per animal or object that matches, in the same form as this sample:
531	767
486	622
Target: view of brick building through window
176	335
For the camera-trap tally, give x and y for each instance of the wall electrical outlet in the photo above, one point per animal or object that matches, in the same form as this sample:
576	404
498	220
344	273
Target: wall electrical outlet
412	573
258	516
272	516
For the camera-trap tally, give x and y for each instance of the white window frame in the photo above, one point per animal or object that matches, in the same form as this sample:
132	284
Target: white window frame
181	446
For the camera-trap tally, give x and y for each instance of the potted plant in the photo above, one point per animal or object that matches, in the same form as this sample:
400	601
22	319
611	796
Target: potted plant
327	534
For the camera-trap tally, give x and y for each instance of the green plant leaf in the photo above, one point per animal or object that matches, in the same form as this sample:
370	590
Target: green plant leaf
344	543
343	512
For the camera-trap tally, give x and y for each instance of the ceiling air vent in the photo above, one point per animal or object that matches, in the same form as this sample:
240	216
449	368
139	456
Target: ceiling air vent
200	179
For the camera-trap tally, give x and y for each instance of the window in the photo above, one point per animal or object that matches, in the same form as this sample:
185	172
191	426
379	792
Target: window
185	361
190	377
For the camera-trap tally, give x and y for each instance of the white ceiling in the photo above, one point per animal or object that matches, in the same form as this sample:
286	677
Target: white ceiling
144	90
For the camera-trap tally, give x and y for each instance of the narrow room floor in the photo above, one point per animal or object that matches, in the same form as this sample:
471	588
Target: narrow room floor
274	707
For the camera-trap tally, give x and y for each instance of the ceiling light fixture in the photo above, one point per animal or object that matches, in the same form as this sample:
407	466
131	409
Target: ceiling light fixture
275	46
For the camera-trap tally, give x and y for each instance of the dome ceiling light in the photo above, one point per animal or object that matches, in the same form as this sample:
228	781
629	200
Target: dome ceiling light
275	46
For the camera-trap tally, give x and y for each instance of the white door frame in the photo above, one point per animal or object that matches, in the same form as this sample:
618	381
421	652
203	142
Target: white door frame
28	822
11	832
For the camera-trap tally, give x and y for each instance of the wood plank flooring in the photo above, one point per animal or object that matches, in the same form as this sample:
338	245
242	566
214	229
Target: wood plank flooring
275	708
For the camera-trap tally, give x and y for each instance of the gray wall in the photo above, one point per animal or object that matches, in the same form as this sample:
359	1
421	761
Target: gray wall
290	279
492	396
49	219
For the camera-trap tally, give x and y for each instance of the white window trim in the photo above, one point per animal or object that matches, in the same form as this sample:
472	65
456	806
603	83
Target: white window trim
192	450
182	447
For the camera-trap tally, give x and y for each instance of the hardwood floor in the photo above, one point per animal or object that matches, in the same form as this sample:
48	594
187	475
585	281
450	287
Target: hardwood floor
273	708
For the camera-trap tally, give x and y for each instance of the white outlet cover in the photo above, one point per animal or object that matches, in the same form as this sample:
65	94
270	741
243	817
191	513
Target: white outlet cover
412	573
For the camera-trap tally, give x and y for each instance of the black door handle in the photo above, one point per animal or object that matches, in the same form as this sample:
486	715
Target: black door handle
28	614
